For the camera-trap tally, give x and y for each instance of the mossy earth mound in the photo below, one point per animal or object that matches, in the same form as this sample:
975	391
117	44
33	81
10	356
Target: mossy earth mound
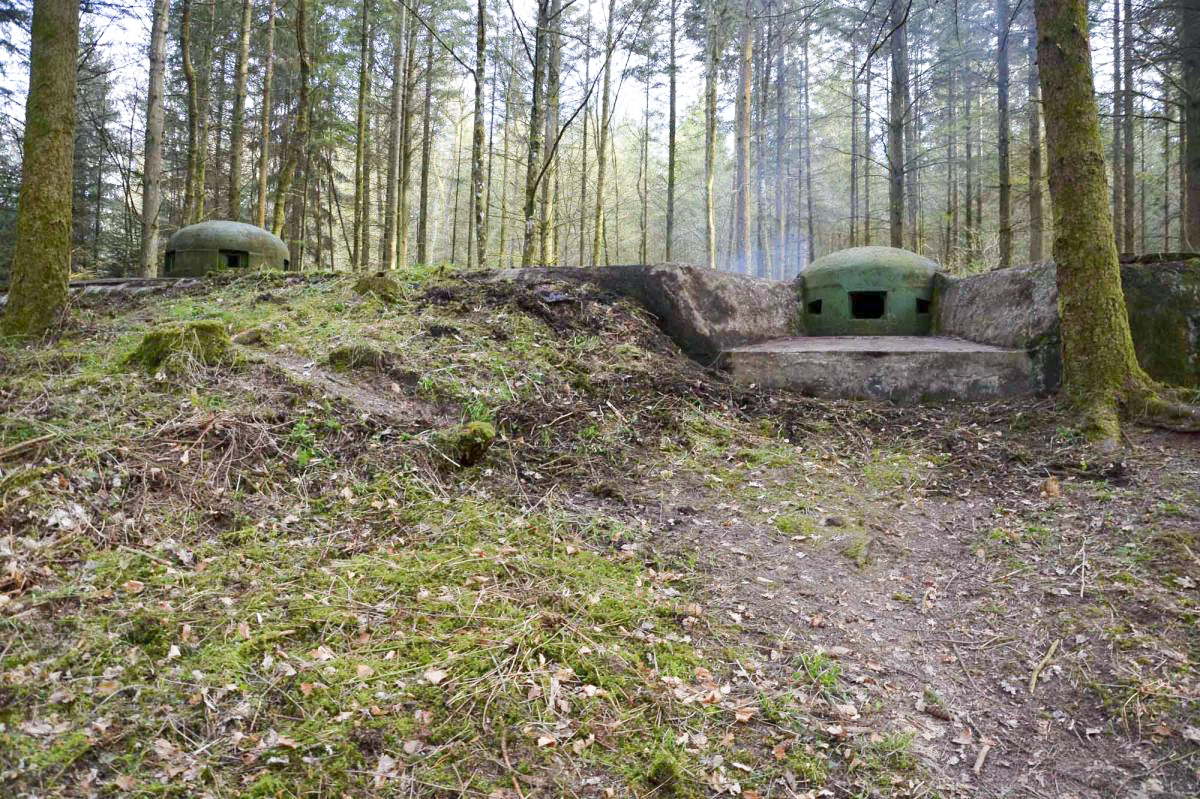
178	346
381	286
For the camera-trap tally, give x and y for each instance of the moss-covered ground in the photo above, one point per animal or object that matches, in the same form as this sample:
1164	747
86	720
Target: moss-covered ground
464	539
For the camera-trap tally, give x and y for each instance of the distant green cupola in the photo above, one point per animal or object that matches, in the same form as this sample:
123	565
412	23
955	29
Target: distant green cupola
868	291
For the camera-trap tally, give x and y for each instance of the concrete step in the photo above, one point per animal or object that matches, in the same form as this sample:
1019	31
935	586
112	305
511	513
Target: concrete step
901	369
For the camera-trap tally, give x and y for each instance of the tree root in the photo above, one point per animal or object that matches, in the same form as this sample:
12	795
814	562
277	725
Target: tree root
1165	407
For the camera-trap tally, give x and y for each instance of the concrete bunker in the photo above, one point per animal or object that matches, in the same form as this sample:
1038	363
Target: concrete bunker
868	291
223	245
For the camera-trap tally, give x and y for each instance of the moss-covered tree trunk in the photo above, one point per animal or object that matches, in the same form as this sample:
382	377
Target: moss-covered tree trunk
1100	368
42	241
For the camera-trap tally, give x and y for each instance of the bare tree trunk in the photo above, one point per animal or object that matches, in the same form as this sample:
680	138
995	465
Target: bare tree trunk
477	136
1036	225
672	70
546	223
1003	134
299	142
742	125
968	231
264	147
509	92
41	262
583	169
426	159
152	170
643	169
710	136
193	115
395	102
205	98
854	144
781	139
406	150
866	167
896	125
808	187
602	135
950	236
1118	183
1190	199
1166	184
236	125
360	137
1128	236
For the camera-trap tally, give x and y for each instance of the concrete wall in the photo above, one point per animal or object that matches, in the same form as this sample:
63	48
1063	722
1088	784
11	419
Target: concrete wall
704	311
1018	308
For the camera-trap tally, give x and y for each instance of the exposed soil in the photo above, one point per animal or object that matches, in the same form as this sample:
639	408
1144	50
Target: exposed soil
967	579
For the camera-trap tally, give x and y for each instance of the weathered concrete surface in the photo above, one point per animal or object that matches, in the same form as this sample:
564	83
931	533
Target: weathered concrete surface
902	280
205	247
1013	308
704	311
900	369
1018	308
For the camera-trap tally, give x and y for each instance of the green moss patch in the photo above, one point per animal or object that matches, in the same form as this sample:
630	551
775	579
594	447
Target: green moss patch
178	346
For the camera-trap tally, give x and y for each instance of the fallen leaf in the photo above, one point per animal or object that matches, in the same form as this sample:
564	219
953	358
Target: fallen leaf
434	676
364	671
744	714
412	746
133	586
546	742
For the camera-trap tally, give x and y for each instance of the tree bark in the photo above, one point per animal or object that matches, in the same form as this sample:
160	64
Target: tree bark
1118	183
405	164
896	125
1190	39
742	125
1003	159
299	140
1128	235
601	135
854	144
672	70
1036	225
426	158
391	191
42	239
360	137
808	187
1099	366
480	234
153	159
549	183
710	135
264	146
193	115
237	126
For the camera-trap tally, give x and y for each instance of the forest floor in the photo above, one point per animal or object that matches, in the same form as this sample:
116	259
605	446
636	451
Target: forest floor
274	576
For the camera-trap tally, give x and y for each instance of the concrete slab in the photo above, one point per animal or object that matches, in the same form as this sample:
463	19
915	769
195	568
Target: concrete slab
901	369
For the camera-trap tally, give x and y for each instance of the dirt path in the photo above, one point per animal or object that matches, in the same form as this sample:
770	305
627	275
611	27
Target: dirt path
939	626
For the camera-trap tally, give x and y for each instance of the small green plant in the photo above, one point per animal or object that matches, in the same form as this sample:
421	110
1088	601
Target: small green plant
819	669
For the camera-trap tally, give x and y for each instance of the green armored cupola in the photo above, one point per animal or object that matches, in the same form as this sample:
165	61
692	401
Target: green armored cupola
221	244
868	291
